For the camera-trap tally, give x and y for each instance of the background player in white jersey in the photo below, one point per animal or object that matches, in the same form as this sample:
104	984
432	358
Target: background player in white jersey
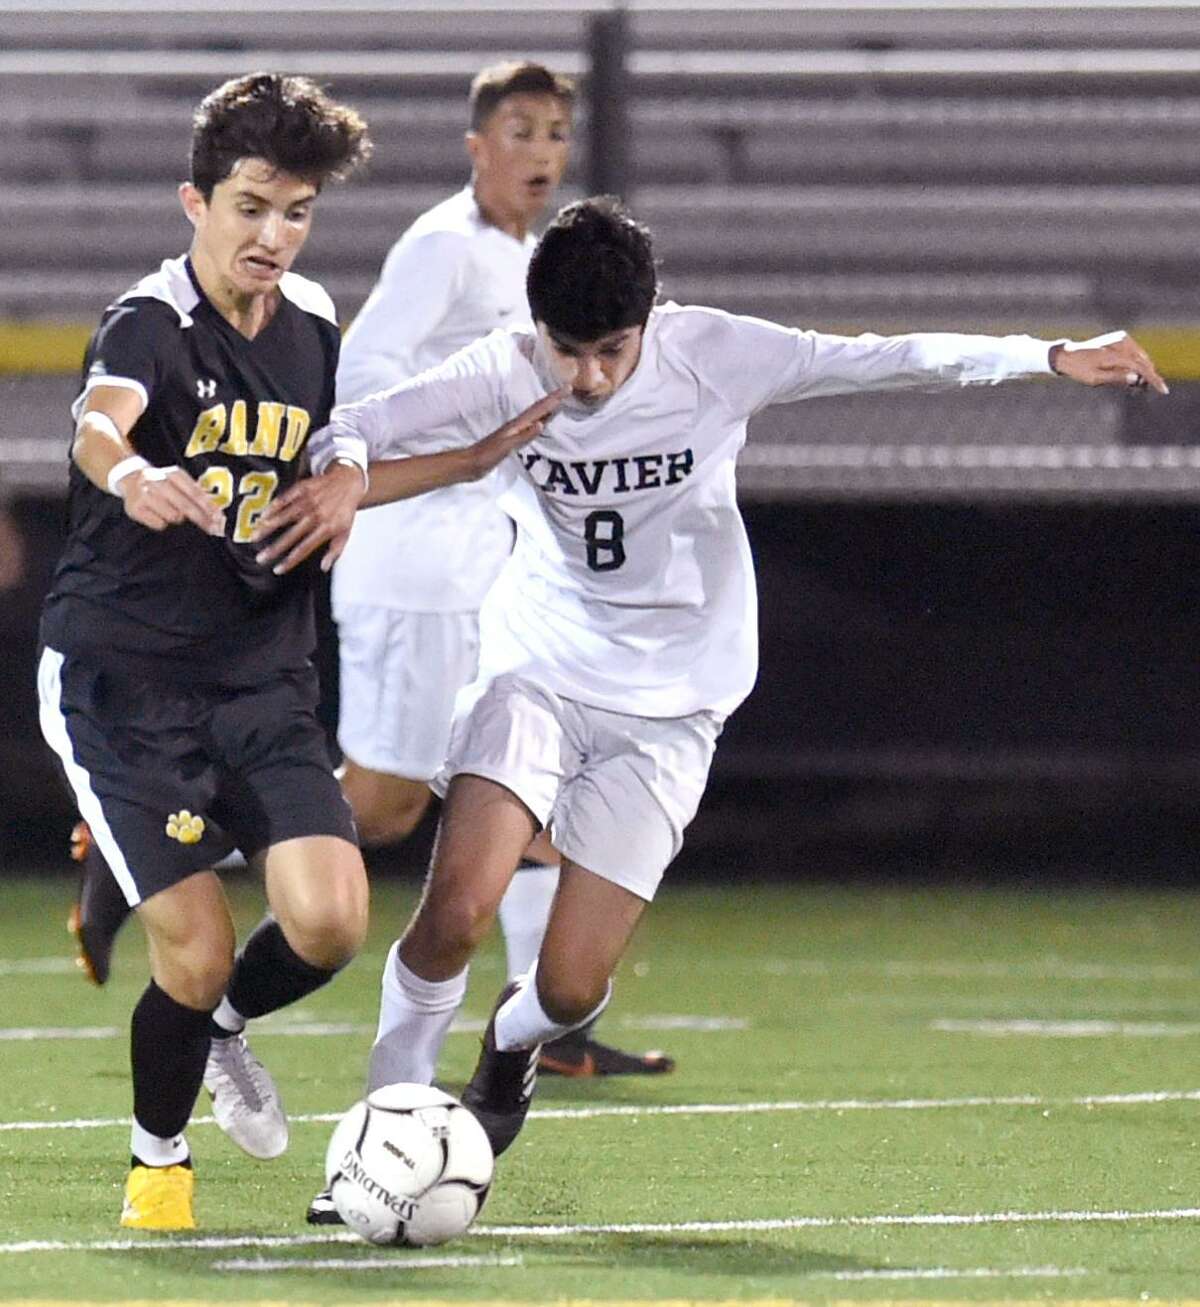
622	630
408	587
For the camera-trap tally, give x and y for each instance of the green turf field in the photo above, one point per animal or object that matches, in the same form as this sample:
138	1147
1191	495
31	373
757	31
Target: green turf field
882	1095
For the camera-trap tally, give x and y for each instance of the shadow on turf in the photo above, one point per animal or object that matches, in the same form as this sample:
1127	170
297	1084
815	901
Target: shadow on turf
749	1256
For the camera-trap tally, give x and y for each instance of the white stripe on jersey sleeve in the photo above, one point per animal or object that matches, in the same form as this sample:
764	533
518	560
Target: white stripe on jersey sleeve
170	284
103	379
310	296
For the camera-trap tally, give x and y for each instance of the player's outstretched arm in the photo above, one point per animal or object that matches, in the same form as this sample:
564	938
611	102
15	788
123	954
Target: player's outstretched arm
154	497
402	478
320	510
1115	359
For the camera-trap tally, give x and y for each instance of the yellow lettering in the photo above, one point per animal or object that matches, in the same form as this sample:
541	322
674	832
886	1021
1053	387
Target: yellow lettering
218	481
207	433
235	442
256	489
297	432
267	429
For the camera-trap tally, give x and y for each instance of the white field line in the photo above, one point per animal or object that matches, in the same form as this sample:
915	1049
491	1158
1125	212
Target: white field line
668	1022
317	1029
1081	1029
949	969
396	1263
33	1033
1118	1217
38	967
392	1264
949	1273
1049	968
537	1232
215	1241
326	1029
30	1033
1142	1098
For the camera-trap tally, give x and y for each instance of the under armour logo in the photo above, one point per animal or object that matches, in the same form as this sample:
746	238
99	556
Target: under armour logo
206	389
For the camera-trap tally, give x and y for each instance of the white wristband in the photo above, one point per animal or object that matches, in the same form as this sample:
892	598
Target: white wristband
119	471
102	422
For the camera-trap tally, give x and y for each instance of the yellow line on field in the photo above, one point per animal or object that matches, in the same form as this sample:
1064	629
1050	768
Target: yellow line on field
53	347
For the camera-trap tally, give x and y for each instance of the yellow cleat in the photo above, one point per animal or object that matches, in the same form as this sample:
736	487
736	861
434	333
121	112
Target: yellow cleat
159	1198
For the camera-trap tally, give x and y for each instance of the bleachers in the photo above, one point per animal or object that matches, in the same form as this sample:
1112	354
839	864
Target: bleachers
861	140
848	166
739	234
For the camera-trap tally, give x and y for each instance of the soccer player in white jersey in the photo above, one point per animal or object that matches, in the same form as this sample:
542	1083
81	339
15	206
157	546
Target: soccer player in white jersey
622	630
408	588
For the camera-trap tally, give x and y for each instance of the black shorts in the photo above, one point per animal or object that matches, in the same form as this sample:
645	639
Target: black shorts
171	778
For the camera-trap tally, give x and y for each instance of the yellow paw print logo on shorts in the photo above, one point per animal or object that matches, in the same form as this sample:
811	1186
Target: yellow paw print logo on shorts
185	828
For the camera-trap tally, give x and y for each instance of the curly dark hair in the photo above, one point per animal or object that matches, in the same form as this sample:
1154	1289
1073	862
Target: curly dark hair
593	271
288	121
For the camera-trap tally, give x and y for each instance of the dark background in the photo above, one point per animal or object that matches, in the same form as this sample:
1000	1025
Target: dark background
967	690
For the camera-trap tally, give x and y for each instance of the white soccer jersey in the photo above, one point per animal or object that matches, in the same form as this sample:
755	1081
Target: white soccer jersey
451	278
631	586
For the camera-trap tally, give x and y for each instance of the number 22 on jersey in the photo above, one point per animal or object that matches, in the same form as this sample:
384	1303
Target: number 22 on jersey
279	432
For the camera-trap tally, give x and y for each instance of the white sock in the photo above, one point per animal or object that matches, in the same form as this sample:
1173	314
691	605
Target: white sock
156	1151
414	1018
524	911
228	1017
522	1022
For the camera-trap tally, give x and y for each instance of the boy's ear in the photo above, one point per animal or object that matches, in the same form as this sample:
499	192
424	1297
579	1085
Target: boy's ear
194	204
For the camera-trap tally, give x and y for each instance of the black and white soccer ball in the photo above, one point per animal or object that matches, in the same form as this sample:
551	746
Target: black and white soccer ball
408	1165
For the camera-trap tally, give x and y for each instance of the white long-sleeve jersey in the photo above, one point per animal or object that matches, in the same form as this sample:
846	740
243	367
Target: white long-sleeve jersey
451	278
631	586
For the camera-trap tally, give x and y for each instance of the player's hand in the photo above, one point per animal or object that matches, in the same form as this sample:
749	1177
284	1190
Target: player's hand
1112	360
492	450
316	511
159	497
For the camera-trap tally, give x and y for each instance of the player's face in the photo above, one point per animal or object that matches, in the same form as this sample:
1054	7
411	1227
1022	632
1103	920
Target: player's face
249	233
596	369
519	155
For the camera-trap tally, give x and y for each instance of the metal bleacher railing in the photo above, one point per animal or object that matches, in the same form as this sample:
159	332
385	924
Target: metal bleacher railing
1001	165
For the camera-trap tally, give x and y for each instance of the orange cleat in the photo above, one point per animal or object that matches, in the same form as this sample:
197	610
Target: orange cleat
581	1058
99	909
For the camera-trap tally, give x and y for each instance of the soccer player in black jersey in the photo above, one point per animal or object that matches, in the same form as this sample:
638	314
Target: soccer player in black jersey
176	681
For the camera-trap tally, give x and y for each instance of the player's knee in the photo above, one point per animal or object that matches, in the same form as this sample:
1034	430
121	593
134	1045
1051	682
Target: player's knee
329	933
458	920
197	975
324	918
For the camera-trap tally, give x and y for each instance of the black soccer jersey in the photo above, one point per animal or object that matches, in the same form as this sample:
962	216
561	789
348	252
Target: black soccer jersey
235	414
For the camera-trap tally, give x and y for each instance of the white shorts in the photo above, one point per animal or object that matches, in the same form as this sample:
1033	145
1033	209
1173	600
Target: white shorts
615	791
400	673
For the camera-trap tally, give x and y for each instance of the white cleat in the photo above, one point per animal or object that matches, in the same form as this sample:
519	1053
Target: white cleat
245	1102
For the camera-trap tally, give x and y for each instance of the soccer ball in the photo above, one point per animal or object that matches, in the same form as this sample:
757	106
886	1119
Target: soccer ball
408	1165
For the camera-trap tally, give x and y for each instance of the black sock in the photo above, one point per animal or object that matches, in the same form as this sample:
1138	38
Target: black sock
168	1048
269	974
